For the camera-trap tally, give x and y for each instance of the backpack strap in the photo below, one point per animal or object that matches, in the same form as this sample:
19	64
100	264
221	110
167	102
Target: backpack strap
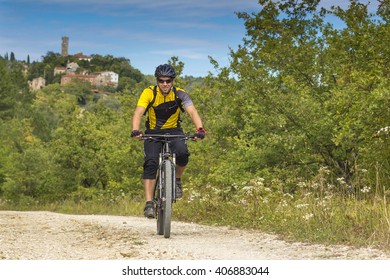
151	102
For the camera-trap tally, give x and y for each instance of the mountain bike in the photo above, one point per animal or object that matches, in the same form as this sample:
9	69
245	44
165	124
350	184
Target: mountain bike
165	189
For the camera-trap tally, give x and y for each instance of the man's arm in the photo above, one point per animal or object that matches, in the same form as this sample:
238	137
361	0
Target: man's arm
138	113
191	110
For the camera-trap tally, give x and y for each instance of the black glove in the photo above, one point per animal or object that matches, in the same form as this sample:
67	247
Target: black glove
200	133
136	133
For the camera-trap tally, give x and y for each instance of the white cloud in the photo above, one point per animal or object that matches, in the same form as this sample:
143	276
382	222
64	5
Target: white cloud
182	53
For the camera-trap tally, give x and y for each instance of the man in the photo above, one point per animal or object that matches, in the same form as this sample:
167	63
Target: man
163	103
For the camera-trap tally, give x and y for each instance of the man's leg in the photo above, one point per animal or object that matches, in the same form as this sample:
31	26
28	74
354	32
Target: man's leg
149	191
151	150
149	188
179	170
180	148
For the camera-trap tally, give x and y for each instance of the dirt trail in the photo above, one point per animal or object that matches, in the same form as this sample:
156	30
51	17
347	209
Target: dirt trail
53	236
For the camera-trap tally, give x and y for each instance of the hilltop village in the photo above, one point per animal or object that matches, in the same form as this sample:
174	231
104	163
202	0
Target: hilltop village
72	71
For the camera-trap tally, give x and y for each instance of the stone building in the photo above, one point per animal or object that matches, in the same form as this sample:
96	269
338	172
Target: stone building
107	78
72	77
37	83
71	68
81	56
59	70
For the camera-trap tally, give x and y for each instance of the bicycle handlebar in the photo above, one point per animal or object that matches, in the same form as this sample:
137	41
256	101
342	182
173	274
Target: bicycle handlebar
166	136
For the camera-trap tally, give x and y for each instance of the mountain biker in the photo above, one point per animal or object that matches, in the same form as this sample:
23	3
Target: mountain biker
163	103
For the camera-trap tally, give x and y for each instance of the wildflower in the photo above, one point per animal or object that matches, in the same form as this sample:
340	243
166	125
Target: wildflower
248	189
324	170
330	186
289	195
303	205
383	130
365	189
301	184
307	194
284	203
308	216
341	180
194	195
315	185
260	181
216	190
328	197
243	201
321	203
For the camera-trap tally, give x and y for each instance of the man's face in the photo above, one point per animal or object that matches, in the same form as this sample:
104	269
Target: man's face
165	84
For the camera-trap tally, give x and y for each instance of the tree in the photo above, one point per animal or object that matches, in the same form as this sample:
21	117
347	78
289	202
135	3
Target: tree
8	93
304	89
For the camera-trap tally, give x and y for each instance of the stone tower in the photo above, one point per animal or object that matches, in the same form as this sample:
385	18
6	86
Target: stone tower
65	46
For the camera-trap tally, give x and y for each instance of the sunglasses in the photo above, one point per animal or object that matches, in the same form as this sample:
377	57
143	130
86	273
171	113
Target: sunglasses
161	81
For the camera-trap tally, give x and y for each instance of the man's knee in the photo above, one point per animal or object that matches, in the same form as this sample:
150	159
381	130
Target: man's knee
150	168
182	160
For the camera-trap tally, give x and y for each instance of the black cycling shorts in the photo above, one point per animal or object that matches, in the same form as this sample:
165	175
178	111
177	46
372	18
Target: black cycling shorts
152	150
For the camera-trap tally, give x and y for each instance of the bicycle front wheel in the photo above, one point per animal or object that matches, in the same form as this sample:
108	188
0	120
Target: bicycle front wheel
160	221
167	197
158	194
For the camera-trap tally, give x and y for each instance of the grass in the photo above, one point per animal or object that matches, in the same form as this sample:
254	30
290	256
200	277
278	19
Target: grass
329	218
307	215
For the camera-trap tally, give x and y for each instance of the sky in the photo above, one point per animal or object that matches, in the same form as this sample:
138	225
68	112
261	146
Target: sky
147	32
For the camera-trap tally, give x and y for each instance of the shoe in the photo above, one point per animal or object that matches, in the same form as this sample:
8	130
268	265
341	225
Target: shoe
149	210
179	190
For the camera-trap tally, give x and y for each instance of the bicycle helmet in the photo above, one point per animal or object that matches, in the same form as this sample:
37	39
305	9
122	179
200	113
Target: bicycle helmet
165	70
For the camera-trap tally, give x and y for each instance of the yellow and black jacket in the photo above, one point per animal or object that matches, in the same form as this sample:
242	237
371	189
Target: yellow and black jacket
163	111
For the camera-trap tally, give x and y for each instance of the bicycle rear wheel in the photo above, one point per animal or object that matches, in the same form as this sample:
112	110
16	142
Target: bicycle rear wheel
167	197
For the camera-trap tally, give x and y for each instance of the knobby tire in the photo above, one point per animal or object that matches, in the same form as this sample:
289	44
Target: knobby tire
159	208
160	221
167	197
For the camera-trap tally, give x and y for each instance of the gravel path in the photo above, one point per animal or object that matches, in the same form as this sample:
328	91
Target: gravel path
53	236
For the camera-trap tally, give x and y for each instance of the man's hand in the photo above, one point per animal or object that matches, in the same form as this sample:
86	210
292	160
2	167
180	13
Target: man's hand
136	133
200	133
